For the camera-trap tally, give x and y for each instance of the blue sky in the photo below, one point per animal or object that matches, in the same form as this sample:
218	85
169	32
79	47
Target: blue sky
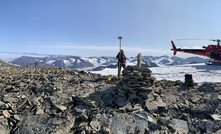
90	27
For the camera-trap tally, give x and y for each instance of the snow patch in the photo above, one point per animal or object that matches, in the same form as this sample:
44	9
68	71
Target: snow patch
78	61
200	72
50	62
67	63
72	60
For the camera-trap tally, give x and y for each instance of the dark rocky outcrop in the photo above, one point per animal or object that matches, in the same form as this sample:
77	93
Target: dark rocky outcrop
24	60
4	64
38	65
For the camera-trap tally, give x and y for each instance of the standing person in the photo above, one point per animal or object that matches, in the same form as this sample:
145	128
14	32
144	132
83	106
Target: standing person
121	58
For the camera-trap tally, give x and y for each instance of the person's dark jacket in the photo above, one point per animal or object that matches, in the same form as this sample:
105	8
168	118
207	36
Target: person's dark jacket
123	58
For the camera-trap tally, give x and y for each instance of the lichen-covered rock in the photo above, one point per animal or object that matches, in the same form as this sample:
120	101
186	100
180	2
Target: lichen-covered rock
45	124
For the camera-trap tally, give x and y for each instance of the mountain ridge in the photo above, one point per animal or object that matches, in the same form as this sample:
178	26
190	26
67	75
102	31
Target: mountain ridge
100	63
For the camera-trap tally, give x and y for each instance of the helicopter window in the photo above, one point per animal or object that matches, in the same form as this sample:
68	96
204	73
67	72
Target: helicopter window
215	54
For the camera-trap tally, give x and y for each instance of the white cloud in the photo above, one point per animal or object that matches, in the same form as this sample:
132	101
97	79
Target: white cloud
39	42
110	48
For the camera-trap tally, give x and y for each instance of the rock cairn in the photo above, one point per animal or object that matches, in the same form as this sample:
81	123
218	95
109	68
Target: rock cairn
136	83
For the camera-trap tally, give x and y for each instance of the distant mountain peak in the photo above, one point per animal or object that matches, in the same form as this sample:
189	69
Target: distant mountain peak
96	63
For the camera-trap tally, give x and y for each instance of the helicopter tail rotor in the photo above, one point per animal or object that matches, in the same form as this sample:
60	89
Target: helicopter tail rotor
174	48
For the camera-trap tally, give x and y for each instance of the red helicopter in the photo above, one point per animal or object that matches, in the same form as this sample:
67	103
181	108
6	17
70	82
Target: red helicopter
211	51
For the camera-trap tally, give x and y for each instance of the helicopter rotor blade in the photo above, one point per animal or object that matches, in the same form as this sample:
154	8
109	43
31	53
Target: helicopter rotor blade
193	39
217	40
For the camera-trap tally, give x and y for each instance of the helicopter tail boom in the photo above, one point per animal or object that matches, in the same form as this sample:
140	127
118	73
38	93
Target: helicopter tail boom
191	51
174	48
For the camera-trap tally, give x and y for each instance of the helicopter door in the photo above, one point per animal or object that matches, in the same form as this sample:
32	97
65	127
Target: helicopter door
215	54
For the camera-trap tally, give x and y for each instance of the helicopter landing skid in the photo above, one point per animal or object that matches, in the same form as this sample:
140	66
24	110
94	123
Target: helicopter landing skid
213	63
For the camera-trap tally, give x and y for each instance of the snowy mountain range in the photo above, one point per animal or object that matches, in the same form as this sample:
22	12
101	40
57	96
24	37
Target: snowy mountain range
100	63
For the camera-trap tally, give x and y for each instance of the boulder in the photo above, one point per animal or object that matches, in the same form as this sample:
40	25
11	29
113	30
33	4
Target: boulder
177	124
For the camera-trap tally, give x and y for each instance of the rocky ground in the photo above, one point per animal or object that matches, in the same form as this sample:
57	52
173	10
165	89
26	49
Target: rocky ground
65	101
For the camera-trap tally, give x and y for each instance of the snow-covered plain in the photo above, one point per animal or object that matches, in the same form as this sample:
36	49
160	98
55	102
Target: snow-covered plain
200	72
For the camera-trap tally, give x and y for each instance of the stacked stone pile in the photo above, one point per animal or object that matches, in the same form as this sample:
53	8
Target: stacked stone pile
136	81
135	85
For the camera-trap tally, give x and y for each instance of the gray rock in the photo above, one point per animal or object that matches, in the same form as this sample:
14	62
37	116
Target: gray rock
95	125
132	124
172	98
161	103
213	126
209	127
165	130
6	114
203	107
140	122
127	106
172	112
44	124
218	132
202	124
60	107
3	105
87	102
215	116
83	132
181	131
151	106
58	99
38	111
219	97
195	98
119	126
120	101
10	99
153	124
164	120
106	130
80	109
137	108
17	117
4	126
144	94
132	95
179	124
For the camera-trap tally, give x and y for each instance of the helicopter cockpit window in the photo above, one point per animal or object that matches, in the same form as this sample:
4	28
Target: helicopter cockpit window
215	55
